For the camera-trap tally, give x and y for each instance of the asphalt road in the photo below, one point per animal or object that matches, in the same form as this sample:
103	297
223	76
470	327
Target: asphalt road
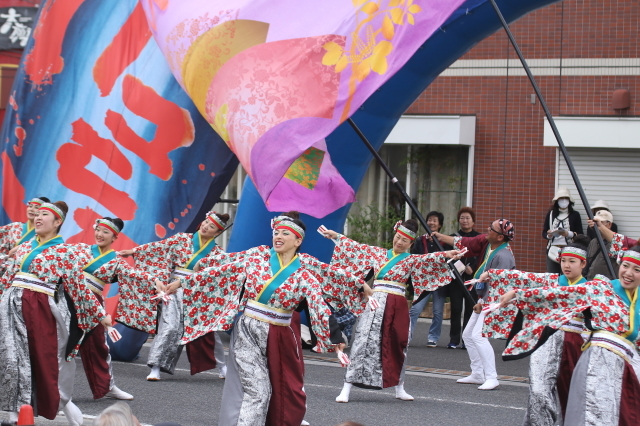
195	400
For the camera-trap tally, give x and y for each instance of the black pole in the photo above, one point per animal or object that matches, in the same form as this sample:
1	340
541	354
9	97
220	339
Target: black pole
413	207
556	133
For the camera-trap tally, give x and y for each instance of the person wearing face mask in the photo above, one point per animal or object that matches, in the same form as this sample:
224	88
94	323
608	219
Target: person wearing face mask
551	365
16	233
255	294
604	384
425	245
170	259
42	289
387	326
103	265
561	224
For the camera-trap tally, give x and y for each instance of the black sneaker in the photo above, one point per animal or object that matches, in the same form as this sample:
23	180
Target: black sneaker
431	344
452	346
463	346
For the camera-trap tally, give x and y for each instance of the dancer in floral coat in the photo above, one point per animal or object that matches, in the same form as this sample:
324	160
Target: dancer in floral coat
552	364
382	335
604	384
105	266
43	288
169	259
266	340
16	233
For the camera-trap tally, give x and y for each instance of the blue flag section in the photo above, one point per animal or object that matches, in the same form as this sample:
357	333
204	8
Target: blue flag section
97	119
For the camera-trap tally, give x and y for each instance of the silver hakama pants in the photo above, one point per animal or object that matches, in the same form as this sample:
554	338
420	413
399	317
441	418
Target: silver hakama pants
232	393
365	368
166	349
596	388
16	381
250	356
543	407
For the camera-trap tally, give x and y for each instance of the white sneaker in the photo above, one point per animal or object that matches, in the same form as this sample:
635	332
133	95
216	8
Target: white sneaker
489	384
402	395
73	414
304	423
154	376
222	372
473	380
117	393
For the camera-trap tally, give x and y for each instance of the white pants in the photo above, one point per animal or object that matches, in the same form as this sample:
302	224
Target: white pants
483	361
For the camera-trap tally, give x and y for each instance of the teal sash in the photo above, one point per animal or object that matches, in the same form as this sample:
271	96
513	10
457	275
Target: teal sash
199	250
563	281
27	233
634	310
99	259
36	249
487	260
393	261
279	274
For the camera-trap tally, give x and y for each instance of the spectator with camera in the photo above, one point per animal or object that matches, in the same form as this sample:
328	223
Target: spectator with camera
560	225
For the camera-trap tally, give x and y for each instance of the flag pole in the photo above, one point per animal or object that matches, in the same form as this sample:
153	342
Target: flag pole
556	133
413	207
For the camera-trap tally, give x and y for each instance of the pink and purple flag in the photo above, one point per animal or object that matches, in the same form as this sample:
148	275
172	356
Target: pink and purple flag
275	78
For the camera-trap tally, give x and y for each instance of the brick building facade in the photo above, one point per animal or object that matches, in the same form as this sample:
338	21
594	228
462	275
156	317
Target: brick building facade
514	175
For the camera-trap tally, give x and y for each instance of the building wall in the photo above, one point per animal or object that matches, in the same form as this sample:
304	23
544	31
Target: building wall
12	56
514	174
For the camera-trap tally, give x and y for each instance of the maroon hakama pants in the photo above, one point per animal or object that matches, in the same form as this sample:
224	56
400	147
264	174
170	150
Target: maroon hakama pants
201	353
288	403
395	339
42	335
571	351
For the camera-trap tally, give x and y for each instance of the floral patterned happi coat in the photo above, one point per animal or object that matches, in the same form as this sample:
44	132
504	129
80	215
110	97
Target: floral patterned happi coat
12	234
382	336
552	364
36	326
162	258
555	306
213	301
266	355
498	323
107	267
159	258
61	263
607	389
619	244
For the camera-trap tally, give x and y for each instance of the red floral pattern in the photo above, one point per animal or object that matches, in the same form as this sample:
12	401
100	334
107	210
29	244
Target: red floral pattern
555	306
136	287
497	324
61	263
158	259
427	271
9	236
214	300
620	244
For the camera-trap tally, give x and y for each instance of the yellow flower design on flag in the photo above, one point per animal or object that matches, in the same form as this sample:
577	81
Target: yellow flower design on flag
369	52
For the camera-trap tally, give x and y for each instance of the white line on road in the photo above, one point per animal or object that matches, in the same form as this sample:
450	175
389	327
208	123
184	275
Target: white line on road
416	373
427	398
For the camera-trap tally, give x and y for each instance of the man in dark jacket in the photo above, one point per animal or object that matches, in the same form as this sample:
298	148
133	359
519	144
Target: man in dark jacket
466	220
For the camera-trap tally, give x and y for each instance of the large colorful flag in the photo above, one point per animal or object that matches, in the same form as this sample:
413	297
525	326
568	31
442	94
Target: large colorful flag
274	79
98	120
